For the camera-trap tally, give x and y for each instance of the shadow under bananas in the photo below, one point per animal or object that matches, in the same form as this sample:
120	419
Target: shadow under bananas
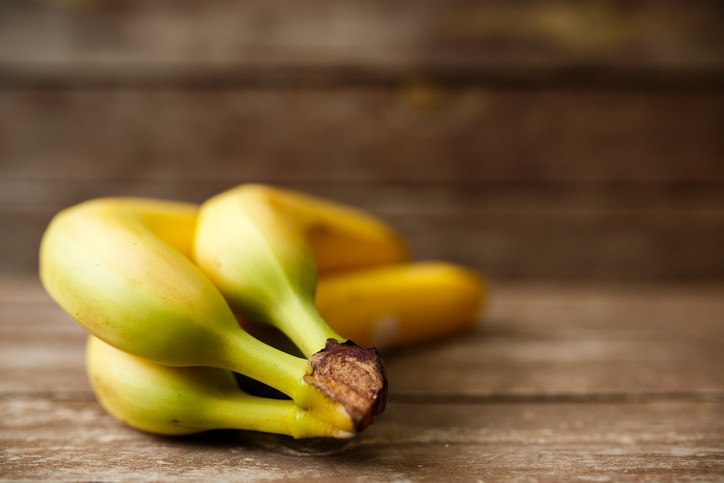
224	439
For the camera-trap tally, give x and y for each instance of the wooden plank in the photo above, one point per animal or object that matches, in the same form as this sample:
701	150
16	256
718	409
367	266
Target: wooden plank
633	232
564	342
522	186
577	342
509	245
418	134
551	243
42	349
525	42
558	382
69	438
39	195
499	361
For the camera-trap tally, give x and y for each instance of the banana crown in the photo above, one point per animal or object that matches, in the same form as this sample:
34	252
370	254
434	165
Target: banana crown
261	262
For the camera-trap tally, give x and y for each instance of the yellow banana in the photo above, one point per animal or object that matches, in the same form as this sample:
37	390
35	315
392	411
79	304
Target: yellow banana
400	304
121	267
261	261
393	306
186	400
255	232
108	263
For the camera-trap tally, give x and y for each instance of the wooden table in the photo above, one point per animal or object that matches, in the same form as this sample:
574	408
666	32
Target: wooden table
586	383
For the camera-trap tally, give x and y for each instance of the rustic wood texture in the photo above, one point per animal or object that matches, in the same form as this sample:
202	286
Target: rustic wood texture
495	41
548	140
572	152
545	184
555	383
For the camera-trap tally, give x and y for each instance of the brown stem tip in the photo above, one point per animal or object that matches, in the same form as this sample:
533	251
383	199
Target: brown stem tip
353	376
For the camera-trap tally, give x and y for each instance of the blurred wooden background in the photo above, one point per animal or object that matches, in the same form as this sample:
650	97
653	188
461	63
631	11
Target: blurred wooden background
532	140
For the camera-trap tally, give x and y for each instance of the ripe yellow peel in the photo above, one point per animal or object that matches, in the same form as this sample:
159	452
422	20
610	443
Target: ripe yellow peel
342	237
401	304
262	247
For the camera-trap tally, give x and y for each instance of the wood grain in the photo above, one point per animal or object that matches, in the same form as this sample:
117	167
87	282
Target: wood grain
361	135
556	383
545	140
597	185
421	442
635	42
569	151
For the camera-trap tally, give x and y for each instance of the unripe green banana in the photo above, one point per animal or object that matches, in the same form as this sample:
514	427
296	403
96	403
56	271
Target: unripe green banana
106	264
186	400
262	263
259	258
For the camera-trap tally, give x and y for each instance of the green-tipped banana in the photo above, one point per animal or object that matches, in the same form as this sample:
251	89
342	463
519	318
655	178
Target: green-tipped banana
262	263
110	265
186	400
253	242
257	254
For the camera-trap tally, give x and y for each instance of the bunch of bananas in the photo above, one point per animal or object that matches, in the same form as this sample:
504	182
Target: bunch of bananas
174	297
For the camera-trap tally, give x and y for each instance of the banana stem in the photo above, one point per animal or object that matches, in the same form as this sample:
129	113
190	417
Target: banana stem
341	383
251	413
290	375
303	324
253	358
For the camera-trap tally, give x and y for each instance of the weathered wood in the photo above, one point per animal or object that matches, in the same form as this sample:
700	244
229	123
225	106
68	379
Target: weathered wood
547	140
557	383
361	135
68	438
577	343
509	233
561	342
597	185
530	42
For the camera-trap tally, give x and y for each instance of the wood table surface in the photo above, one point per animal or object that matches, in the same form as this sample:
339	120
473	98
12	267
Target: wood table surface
556	382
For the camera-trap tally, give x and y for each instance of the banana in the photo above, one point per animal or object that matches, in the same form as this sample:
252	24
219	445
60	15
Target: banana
117	266
393	306
254	232
156	279
186	400
262	262
401	304
258	256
